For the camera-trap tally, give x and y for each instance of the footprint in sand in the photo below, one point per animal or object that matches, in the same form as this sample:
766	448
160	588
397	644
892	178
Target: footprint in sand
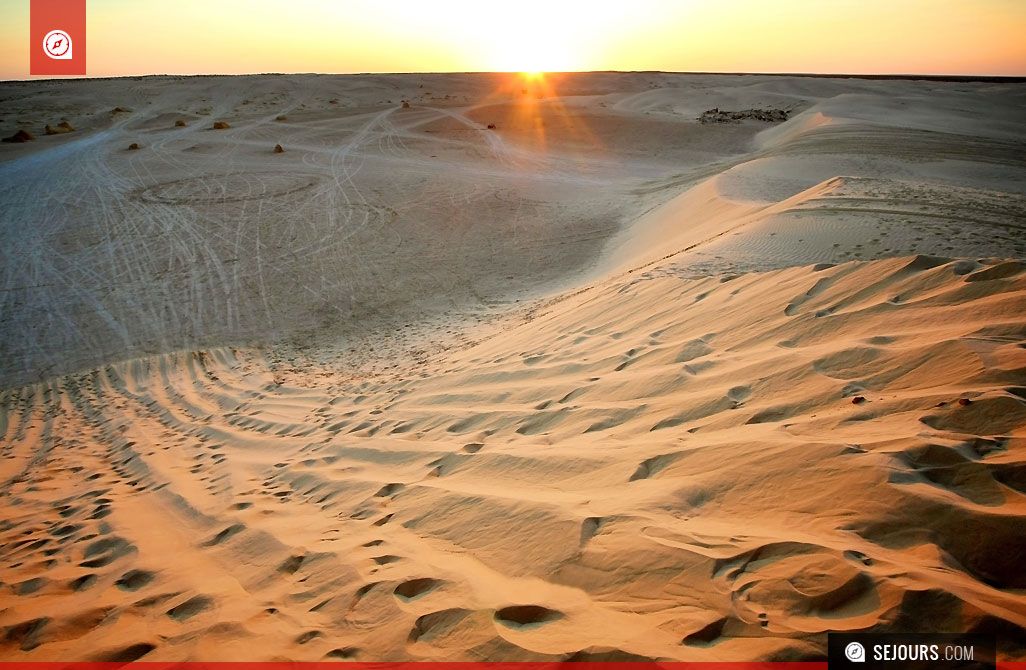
127	654
416	588
190	608
133	580
106	551
82	583
590	527
526	617
224	535
308	636
389	490
650	466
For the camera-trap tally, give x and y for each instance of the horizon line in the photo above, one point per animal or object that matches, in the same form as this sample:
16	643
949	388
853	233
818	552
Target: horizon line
966	78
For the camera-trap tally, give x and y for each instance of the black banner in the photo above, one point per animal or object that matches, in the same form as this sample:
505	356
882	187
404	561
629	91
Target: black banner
910	651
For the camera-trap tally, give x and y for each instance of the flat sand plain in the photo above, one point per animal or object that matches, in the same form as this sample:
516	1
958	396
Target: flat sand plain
601	382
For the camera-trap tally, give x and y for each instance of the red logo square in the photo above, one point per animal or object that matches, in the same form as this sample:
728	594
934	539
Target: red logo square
57	37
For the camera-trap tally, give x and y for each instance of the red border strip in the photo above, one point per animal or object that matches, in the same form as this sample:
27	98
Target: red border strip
417	665
410	665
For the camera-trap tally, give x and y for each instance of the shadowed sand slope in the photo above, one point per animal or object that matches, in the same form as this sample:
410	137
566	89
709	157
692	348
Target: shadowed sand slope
511	371
718	468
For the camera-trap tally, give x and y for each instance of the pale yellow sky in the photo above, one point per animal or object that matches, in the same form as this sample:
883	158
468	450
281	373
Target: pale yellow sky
134	37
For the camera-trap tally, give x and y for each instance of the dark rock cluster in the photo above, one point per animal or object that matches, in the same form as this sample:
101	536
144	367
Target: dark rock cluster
717	115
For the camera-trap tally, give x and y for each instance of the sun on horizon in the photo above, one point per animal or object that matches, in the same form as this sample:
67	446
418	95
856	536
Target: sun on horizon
352	36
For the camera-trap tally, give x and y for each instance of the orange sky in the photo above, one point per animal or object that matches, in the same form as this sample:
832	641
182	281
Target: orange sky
132	37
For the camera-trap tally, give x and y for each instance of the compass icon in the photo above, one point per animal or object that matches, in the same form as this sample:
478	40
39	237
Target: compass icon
57	44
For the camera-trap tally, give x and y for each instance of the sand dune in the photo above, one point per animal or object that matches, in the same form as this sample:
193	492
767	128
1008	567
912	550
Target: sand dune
601	383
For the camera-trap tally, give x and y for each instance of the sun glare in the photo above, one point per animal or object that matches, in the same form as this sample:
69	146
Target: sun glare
534	46
533	57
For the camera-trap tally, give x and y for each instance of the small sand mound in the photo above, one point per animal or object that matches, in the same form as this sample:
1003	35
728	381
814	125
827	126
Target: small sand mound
20	136
278	149
179	124
134	146
221	125
62	127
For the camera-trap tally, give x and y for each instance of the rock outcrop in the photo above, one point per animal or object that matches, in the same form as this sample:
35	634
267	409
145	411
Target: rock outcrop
717	115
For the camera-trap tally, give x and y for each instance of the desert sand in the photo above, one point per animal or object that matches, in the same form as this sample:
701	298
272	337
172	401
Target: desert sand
482	367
